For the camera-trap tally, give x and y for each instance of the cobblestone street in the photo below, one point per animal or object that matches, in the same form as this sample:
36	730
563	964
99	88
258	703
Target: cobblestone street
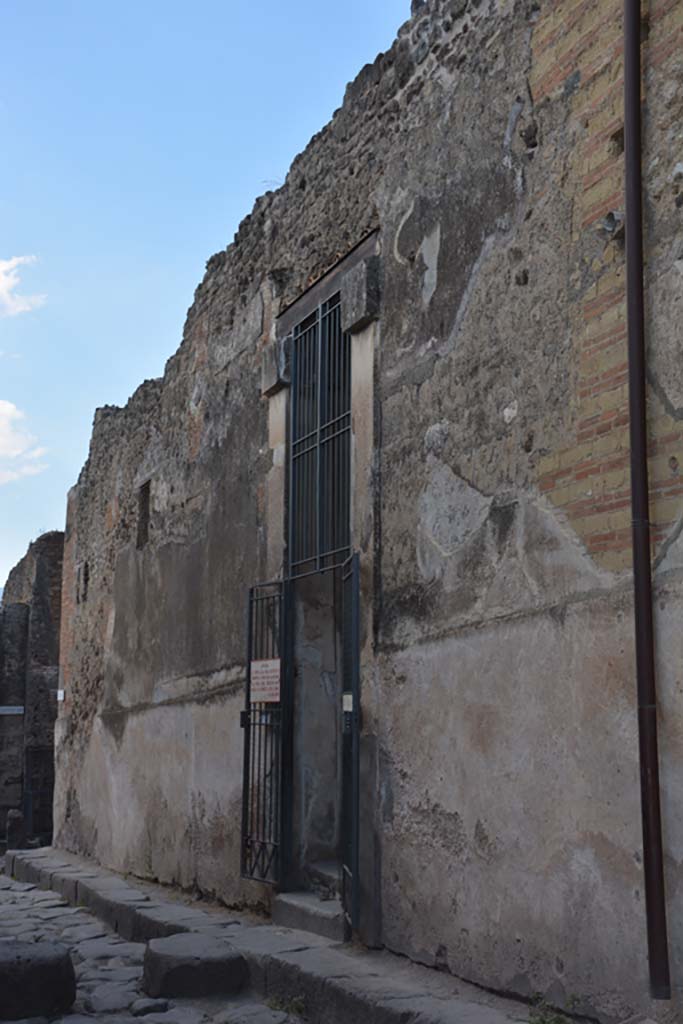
109	969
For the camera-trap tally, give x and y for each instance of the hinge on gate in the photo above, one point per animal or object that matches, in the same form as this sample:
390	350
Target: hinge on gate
244	719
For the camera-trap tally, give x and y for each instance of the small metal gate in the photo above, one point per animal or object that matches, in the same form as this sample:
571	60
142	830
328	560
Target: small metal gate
351	739
266	732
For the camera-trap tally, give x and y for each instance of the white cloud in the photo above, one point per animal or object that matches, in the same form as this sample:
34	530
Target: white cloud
12	304
20	456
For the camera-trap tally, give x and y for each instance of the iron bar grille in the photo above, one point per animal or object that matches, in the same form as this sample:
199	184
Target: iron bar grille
320	449
262	722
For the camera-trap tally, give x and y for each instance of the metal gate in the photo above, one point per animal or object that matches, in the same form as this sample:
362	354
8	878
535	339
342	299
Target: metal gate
351	739
267	732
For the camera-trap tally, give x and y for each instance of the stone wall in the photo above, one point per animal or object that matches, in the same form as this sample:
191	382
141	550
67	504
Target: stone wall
29	660
498	670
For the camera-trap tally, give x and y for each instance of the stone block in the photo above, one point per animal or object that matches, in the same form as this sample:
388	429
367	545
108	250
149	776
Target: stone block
143	1007
192	965
307	912
275	367
36	979
360	294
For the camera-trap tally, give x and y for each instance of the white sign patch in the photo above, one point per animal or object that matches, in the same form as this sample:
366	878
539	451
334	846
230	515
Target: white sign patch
265	681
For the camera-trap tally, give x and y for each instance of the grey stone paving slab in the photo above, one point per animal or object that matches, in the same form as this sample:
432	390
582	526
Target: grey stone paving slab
143	1007
254	1013
83	932
177	1015
99	974
111	996
110	946
192	965
84	1018
51	913
76	1018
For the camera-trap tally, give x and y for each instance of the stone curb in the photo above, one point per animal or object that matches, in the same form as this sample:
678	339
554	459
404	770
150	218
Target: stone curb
337	983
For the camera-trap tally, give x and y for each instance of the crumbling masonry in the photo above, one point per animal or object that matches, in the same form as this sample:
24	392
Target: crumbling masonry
466	204
29	667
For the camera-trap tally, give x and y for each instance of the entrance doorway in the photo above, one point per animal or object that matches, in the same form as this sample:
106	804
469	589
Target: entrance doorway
301	754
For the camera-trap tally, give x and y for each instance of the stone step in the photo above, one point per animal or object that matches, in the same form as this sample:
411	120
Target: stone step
325	875
307	912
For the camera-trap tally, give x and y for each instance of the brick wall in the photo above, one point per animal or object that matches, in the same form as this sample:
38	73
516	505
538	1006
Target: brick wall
578	46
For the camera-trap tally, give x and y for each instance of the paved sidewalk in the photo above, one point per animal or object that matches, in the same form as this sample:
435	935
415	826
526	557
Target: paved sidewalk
109	969
313	979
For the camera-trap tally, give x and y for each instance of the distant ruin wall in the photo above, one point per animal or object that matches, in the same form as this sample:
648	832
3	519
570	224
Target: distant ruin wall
498	678
29	667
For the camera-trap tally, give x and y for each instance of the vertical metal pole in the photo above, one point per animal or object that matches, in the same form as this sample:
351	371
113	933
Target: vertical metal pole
655	902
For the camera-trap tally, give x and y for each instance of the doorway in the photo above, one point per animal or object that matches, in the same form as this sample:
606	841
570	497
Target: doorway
300	806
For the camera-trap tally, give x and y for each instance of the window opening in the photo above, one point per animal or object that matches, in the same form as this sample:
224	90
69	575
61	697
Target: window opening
143	514
320	446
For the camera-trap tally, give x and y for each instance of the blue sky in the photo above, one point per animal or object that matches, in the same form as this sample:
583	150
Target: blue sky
134	138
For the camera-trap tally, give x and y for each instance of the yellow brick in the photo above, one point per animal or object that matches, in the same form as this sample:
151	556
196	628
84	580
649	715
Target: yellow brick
616	440
614	561
594	363
579	489
598	523
659	465
615	480
662	425
571	456
620	520
560	496
601	190
549	464
666	510
612	279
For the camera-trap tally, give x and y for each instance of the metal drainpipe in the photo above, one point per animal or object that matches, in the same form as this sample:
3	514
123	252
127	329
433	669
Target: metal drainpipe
653	866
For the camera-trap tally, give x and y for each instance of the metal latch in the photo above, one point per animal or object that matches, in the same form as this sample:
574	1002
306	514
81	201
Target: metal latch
347	709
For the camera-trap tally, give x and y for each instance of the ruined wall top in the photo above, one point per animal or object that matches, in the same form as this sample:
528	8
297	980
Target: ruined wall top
296	233
20	585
